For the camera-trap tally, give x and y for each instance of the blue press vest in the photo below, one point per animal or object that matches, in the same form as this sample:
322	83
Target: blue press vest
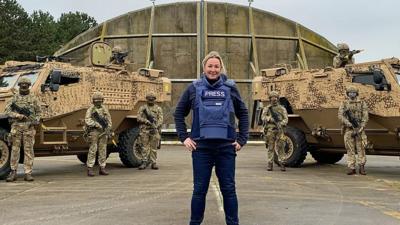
213	112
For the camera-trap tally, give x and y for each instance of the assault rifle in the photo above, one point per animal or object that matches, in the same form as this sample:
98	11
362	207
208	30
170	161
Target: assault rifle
275	120
101	120
356	125
23	111
152	120
119	57
345	60
104	125
154	128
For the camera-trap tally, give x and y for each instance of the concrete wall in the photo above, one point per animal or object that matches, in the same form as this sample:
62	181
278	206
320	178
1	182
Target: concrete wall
179	28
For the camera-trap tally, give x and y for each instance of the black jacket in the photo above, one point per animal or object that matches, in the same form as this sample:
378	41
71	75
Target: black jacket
186	103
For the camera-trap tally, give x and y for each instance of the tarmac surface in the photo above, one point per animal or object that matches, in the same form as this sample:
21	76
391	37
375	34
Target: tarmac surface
313	194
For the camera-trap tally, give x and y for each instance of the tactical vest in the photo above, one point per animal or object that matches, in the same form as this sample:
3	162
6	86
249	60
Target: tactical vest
355	108
213	112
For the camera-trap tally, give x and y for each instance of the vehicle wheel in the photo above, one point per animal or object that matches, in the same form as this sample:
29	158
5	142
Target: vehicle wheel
82	157
128	150
4	160
295	147
326	157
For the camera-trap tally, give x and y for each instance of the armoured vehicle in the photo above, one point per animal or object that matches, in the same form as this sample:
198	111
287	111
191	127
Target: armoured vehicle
312	99
65	94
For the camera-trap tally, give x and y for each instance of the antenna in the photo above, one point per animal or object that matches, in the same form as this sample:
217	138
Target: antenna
153	1
250	1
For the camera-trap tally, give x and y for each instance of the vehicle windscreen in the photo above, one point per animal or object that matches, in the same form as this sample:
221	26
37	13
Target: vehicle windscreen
32	76
396	69
8	81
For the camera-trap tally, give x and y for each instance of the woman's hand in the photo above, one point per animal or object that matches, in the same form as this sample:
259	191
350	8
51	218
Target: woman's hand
237	146
190	144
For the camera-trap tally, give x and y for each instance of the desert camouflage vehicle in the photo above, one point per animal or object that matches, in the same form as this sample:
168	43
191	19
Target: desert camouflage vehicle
65	93
312	99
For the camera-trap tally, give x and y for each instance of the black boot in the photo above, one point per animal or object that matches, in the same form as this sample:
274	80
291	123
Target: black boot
12	176
283	168
90	172
351	172
103	171
28	177
154	166
143	166
362	170
270	166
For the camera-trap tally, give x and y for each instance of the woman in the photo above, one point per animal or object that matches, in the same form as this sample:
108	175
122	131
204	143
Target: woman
213	141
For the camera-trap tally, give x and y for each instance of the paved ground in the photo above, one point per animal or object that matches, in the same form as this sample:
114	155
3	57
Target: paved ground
313	194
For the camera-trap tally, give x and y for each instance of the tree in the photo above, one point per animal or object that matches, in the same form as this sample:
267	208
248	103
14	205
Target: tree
42	34
14	23
22	37
71	24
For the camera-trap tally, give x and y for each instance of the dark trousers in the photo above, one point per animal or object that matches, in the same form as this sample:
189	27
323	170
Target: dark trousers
204	159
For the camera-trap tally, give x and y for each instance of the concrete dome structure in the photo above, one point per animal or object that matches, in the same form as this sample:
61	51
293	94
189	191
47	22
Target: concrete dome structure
175	38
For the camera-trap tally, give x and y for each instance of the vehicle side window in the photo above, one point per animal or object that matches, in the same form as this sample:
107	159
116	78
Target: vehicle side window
396	69
375	78
66	79
59	78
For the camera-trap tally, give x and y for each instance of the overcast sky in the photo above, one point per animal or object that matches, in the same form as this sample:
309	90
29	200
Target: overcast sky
370	25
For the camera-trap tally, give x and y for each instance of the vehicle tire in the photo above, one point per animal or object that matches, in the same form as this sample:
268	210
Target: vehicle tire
295	148
127	148
326	157
4	159
82	157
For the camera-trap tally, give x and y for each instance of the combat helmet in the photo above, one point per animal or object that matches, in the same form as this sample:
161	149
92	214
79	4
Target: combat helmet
151	97
343	46
116	49
97	96
24	80
273	94
351	89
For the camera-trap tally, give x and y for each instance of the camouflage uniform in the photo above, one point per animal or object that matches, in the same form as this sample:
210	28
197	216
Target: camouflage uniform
98	134
354	138
150	135
344	57
22	128
273	133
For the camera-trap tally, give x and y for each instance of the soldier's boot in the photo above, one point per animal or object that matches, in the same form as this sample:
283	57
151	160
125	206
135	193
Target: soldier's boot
270	166
28	177
362	170
143	166
154	166
12	176
103	171
90	172
351	172
283	168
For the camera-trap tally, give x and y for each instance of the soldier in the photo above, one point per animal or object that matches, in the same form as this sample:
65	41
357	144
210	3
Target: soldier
275	119
98	125
353	114
150	117
118	56
345	56
24	113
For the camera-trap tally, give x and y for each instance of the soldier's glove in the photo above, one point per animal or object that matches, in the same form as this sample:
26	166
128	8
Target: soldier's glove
348	124
148	123
98	126
20	116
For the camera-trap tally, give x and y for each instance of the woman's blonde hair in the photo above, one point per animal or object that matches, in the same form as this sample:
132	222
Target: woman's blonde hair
214	54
